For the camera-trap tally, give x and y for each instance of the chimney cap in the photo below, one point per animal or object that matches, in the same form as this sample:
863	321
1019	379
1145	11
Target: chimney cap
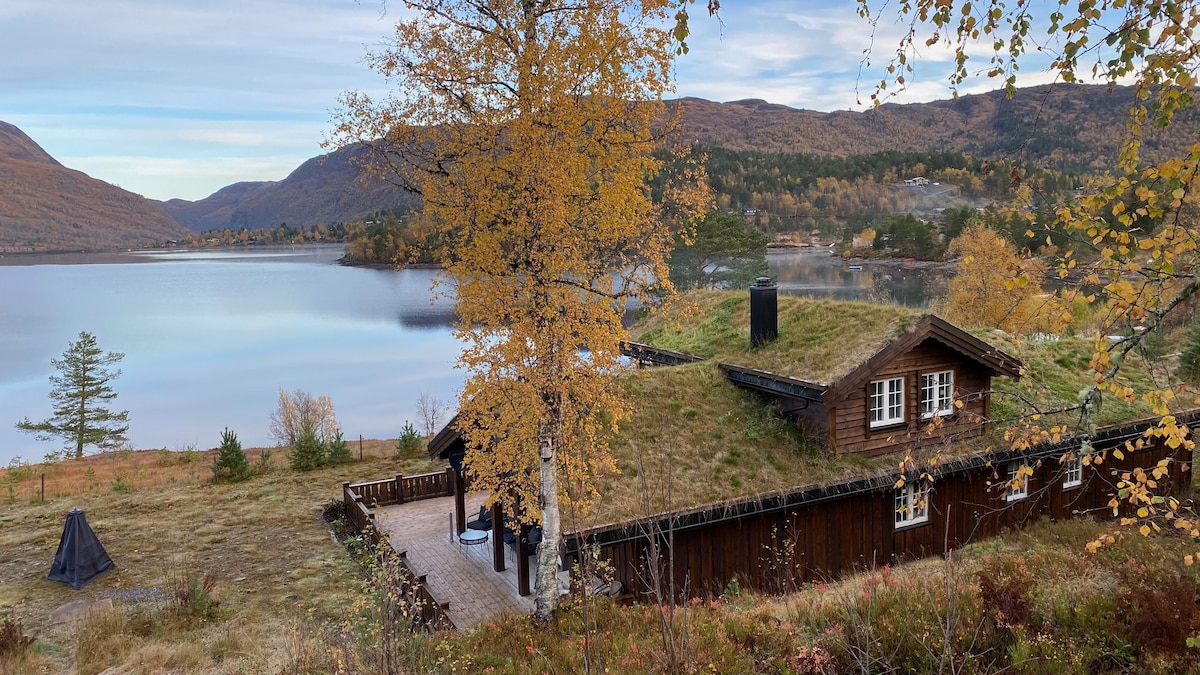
763	281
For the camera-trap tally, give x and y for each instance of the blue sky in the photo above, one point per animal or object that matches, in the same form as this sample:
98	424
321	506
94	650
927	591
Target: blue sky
178	98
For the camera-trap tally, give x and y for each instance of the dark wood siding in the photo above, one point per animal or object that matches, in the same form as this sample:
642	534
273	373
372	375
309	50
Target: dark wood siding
850	422
772	549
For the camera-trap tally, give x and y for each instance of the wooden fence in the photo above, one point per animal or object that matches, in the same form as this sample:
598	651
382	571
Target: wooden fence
361	499
402	488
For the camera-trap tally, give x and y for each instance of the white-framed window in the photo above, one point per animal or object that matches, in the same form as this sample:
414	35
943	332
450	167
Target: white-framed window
912	505
887	402
1018	481
1073	472
937	394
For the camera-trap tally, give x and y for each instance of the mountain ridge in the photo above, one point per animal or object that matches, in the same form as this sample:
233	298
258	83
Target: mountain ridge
1068	127
1075	128
45	206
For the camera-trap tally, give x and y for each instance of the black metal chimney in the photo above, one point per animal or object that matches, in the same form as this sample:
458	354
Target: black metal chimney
764	312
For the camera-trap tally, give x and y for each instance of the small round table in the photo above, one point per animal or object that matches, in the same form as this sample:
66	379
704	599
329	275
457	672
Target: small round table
473	538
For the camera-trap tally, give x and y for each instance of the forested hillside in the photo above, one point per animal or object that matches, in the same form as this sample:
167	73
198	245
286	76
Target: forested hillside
1068	127
322	191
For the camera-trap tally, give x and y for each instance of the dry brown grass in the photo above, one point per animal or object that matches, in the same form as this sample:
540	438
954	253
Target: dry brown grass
274	559
146	468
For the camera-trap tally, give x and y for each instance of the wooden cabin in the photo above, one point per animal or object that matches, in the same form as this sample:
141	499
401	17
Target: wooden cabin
929	384
863	379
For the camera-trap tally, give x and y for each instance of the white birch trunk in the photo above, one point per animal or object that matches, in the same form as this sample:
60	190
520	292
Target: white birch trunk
545	588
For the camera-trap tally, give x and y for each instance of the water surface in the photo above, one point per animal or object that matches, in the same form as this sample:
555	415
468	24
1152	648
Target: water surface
211	336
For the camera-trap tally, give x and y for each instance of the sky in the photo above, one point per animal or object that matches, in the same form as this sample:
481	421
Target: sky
178	98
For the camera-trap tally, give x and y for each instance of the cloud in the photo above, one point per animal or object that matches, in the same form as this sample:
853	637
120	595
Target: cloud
160	178
251	82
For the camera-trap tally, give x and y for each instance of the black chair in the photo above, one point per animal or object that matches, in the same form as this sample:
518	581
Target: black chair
535	538
483	522
531	543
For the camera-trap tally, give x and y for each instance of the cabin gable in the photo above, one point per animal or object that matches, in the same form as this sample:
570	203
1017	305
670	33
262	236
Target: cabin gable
911	395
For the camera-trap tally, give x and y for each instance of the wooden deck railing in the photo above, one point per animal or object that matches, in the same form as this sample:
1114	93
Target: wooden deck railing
402	488
360	513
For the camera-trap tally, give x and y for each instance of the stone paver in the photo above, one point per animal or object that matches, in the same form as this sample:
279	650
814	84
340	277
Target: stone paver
460	575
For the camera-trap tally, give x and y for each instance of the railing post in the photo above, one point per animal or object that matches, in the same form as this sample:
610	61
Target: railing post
400	488
449	481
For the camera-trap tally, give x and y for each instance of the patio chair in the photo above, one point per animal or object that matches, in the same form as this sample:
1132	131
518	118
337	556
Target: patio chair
483	522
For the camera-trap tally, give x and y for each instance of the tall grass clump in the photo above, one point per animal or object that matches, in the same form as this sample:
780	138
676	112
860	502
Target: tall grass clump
103	640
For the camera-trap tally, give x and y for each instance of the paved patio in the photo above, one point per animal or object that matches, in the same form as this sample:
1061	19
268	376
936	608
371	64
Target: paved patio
460	575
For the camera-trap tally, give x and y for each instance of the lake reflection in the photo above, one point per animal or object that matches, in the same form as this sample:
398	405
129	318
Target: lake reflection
816	273
211	336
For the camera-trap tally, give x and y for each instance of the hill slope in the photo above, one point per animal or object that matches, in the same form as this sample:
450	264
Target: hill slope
45	206
1065	127
325	189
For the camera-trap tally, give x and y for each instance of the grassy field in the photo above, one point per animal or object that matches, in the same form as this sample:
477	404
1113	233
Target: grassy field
291	599
276	567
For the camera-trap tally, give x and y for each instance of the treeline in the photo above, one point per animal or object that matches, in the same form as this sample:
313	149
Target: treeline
283	234
793	191
392	238
838	197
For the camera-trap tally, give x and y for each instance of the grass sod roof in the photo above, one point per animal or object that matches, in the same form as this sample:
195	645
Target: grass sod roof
696	440
820	341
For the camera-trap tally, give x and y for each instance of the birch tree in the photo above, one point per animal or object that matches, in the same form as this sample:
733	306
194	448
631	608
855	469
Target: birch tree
1134	235
526	127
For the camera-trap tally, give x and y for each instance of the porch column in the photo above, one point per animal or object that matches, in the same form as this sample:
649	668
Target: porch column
522	559
497	537
460	499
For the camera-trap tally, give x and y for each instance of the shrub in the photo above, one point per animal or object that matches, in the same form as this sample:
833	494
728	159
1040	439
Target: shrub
230	462
309	452
12	638
338	451
192	597
119	485
409	442
297	413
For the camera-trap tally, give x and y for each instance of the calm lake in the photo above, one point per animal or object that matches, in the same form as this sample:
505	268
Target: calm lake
210	337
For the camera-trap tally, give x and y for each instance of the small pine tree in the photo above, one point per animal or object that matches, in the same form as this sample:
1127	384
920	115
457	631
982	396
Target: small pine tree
339	452
231	460
1189	359
409	442
309	452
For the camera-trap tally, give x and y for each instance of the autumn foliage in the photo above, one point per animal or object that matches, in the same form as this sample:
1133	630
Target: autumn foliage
526	128
996	287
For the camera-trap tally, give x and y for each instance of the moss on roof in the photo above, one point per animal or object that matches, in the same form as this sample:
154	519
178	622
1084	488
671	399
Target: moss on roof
697	439
823	340
819	340
1057	373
